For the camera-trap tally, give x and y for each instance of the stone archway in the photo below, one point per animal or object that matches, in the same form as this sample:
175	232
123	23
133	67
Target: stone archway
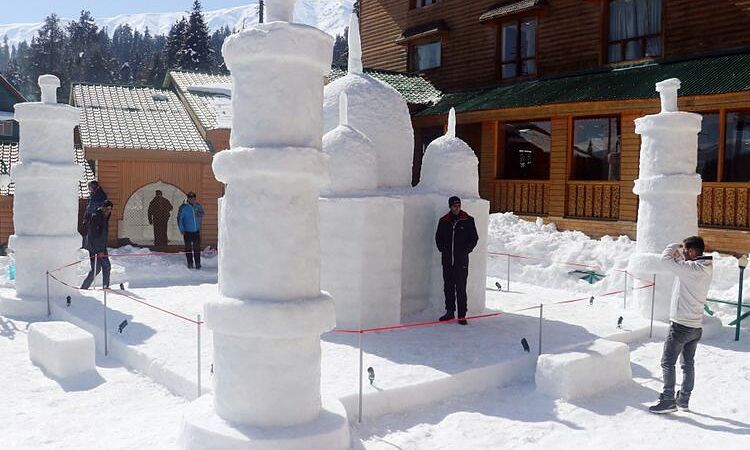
134	224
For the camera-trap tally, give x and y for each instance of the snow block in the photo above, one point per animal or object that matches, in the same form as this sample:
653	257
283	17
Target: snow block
584	370
62	349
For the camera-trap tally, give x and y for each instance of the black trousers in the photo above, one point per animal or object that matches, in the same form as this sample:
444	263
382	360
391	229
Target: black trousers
454	287
98	264
160	233
193	247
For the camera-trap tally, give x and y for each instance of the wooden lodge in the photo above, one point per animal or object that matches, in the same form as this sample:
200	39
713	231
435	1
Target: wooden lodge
546	92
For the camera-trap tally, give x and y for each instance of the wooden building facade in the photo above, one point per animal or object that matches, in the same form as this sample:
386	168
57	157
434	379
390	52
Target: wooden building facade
547	91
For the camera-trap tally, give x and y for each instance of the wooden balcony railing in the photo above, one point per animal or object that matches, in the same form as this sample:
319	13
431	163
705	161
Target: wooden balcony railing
724	205
593	200
526	197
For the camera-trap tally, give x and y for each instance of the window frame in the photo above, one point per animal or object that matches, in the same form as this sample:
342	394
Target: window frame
606	42
571	146
6	128
411	52
419	4
519	60
501	149
723	124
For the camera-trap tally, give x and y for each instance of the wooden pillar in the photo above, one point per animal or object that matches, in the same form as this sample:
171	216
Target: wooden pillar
558	166
488	163
631	148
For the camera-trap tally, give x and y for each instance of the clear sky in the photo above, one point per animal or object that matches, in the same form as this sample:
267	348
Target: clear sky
19	11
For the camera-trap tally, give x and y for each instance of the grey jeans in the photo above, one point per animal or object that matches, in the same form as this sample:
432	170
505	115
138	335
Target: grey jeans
682	341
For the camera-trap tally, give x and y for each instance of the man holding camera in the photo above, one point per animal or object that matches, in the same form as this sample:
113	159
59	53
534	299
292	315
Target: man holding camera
693	273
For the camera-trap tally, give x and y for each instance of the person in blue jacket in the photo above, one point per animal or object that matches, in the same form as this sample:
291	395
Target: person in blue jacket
189	222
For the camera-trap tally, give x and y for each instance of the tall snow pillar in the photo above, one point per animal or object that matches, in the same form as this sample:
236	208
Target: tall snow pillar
667	187
270	312
45	176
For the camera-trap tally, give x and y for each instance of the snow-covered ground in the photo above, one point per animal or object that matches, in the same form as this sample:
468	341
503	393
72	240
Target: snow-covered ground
443	380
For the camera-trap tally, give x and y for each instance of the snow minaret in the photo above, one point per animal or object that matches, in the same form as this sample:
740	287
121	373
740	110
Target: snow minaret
667	187
378	111
46	176
270	312
450	167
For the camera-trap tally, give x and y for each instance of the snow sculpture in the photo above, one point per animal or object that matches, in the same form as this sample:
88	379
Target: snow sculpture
270	313
449	167
378	111
667	186
360	233
62	349
46	175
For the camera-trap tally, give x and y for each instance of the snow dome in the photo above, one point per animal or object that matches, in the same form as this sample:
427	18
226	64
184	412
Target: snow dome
450	165
352	163
378	111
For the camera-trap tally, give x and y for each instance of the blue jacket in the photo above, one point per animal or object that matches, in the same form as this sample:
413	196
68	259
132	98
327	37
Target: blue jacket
189	217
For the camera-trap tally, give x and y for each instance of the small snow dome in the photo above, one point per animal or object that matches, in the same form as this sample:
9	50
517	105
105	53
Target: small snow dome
378	111
352	163
450	166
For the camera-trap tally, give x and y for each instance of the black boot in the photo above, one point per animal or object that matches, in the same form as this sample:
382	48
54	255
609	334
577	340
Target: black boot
682	401
462	321
665	405
447	316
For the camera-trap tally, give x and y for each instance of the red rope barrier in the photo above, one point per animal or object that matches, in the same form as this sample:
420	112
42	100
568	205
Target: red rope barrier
118	255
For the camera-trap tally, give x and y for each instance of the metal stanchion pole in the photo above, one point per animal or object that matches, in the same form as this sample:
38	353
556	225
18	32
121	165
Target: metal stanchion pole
625	291
653	295
106	332
742	266
541	314
49	310
508	273
199	354
360	376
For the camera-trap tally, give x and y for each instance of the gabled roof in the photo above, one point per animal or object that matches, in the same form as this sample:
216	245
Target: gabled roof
126	117
211	107
9	96
705	75
9	156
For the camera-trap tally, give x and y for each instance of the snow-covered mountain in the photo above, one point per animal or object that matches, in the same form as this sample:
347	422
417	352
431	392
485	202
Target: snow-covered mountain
331	16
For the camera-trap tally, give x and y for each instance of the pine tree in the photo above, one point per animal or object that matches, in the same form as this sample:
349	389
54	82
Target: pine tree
17	72
216	42
46	54
196	54
79	47
175	44
341	49
4	54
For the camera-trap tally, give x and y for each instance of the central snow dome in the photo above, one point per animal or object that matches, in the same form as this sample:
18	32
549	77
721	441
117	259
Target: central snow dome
378	111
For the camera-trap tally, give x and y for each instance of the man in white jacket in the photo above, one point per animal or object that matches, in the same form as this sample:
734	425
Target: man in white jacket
693	278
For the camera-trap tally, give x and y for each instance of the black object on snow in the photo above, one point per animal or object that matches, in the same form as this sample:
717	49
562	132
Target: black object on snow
499	286
371	374
122	286
122	326
591	300
525	345
619	322
67	301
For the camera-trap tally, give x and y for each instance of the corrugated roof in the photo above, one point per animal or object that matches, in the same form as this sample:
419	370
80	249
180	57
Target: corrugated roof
706	75
9	156
507	8
120	117
211	108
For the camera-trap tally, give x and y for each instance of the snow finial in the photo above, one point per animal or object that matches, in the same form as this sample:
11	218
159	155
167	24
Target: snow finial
355	46
279	10
343	109
451	123
667	90
48	84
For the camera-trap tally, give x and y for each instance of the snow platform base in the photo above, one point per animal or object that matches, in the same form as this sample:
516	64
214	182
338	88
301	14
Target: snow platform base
584	370
22	308
62	349
202	429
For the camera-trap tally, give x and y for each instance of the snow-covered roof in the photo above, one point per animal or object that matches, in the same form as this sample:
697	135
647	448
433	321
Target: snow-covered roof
9	156
125	117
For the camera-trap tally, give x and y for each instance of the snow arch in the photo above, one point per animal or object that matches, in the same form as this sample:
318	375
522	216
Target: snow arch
134	224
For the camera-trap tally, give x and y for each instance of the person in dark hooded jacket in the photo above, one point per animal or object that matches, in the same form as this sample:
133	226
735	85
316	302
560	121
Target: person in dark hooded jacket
97	196
96	244
456	237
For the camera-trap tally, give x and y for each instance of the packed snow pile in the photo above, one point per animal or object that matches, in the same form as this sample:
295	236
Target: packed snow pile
62	349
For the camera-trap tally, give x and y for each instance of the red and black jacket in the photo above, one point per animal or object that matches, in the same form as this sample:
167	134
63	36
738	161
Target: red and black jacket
456	237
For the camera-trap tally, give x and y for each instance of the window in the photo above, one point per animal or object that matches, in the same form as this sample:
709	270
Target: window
634	29
425	56
708	147
422	3
6	128
596	149
518	48
526	150
737	147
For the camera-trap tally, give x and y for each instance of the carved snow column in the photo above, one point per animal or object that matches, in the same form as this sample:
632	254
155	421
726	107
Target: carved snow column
45	202
271	312
667	186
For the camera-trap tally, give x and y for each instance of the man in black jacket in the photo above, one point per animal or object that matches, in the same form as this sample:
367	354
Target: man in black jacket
96	244
456	237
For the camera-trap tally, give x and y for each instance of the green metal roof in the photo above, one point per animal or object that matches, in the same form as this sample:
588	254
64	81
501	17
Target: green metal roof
415	89
706	75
